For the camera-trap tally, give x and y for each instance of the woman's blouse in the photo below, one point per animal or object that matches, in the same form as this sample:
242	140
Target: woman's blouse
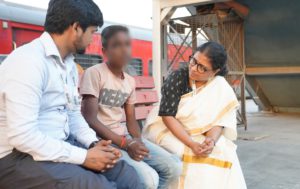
176	85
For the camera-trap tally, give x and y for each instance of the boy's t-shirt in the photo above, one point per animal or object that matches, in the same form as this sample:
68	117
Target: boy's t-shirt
112	92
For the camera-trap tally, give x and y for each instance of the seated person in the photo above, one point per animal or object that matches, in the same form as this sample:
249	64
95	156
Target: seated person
197	122
40	111
106	92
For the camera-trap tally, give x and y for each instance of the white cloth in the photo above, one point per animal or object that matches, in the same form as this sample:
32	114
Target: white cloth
33	114
214	105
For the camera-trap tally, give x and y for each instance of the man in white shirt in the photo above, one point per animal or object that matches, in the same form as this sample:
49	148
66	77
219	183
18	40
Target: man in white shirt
40	111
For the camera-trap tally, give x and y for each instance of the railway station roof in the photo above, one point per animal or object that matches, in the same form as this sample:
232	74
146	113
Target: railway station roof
272	46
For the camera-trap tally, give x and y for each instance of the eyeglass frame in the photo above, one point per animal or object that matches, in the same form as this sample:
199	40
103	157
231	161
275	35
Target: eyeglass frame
200	67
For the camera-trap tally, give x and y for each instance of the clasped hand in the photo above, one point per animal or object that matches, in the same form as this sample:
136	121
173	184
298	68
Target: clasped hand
203	149
137	149
101	157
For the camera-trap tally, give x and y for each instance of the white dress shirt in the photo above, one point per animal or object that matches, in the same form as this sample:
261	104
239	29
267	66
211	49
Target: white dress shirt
33	114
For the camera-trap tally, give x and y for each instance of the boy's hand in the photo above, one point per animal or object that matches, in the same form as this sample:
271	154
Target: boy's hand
137	150
101	157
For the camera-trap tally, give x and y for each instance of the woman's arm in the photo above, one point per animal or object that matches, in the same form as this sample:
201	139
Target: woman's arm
178	131
212	136
214	133
171	94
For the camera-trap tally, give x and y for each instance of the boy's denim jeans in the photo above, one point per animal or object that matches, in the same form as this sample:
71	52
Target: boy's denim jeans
157	171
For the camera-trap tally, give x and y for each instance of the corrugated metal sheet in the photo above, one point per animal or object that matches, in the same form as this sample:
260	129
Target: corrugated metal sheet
272	38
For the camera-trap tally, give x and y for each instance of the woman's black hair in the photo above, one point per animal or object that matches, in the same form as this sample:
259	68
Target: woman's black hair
63	13
110	31
217	55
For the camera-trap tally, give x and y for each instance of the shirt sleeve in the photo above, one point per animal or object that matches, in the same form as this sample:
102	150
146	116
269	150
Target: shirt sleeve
22	96
170	95
90	82
132	97
79	128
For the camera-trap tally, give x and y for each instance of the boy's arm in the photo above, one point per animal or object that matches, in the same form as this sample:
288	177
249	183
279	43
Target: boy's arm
132	125
89	109
78	126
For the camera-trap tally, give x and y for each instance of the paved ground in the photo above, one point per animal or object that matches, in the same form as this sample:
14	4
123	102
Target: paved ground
271	157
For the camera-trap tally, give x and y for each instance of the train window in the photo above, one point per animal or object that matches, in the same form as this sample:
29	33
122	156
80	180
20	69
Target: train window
150	68
87	60
131	70
135	67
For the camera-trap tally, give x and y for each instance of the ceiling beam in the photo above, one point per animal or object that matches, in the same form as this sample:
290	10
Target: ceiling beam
166	14
181	3
192	10
287	70
239	8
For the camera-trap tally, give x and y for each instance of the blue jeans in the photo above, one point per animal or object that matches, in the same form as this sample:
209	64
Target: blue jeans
157	171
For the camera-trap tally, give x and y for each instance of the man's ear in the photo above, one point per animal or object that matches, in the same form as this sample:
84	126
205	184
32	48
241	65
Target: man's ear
103	51
77	28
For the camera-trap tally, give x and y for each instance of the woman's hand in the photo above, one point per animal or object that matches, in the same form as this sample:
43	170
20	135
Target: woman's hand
137	149
203	149
207	146
196	147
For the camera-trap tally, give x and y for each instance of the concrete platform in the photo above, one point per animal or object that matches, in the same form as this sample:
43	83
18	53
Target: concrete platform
270	151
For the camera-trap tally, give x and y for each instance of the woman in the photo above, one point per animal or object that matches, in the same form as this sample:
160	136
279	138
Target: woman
197	121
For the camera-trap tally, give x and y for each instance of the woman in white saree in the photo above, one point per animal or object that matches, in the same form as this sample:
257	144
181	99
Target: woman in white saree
197	121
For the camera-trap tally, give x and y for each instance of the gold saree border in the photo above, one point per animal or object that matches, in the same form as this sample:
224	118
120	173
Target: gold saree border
202	130
186	159
208	160
184	170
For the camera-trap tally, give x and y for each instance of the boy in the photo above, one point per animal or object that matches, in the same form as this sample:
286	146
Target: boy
106	90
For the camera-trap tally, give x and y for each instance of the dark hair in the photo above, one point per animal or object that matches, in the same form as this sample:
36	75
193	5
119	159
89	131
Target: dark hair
110	31
63	13
217	55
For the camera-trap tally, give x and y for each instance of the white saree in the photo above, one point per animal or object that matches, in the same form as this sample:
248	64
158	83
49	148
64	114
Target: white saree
213	105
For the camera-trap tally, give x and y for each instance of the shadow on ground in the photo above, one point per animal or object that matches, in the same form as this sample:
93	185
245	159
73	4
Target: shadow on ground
269	151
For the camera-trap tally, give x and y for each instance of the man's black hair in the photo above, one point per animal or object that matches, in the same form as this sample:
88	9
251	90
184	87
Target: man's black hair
217	55
110	31
63	13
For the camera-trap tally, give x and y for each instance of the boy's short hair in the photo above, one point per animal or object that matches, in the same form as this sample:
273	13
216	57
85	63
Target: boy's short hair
63	13
110	31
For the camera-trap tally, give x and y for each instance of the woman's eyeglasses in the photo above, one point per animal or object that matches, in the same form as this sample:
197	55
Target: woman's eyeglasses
200	68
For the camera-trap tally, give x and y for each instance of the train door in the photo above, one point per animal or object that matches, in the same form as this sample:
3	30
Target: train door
23	36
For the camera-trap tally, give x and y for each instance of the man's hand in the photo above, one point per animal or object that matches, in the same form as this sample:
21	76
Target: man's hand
101	157
137	150
107	143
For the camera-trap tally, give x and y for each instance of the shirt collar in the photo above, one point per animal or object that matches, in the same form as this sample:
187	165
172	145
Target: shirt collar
51	48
